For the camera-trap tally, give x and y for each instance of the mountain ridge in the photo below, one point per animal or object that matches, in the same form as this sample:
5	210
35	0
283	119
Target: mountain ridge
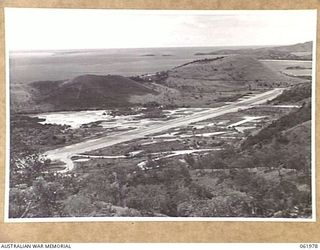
285	52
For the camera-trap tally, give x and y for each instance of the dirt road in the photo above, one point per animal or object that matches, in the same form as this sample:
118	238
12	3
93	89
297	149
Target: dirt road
64	154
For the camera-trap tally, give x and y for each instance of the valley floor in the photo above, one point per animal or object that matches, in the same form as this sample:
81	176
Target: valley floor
64	154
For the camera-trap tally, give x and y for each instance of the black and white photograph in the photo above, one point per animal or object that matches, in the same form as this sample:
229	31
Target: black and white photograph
160	115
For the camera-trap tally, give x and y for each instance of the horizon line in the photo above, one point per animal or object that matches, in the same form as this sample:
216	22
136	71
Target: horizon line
160	47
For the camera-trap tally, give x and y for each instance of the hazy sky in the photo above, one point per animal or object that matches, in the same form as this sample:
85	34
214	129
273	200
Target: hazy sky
38	29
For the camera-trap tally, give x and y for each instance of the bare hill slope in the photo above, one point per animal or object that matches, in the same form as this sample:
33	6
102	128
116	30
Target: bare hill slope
225	74
230	68
95	91
221	79
299	47
82	92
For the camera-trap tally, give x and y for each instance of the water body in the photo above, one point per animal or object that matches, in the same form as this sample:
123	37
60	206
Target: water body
29	66
284	66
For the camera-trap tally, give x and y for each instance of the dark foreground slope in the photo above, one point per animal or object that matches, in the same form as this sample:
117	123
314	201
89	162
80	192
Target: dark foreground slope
268	176
272	179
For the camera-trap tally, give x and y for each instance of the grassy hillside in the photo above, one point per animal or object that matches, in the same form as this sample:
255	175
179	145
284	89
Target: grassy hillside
276	128
208	81
93	91
239	68
82	92
299	136
213	81
299	93
24	97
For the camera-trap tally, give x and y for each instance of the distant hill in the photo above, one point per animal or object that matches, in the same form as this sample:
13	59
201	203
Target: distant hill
229	68
24	97
221	79
300	51
233	72
83	92
299	47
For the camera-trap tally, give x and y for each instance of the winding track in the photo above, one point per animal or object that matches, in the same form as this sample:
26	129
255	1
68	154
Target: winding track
64	154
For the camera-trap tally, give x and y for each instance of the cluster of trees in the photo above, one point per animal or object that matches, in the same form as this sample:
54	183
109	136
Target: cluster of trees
267	176
270	172
28	132
169	190
205	60
159	77
265	181
35	192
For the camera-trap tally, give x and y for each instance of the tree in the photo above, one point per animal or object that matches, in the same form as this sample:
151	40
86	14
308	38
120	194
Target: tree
78	205
24	170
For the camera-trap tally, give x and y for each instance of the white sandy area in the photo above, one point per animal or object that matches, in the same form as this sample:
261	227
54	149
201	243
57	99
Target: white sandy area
169	154
245	120
75	119
242	129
